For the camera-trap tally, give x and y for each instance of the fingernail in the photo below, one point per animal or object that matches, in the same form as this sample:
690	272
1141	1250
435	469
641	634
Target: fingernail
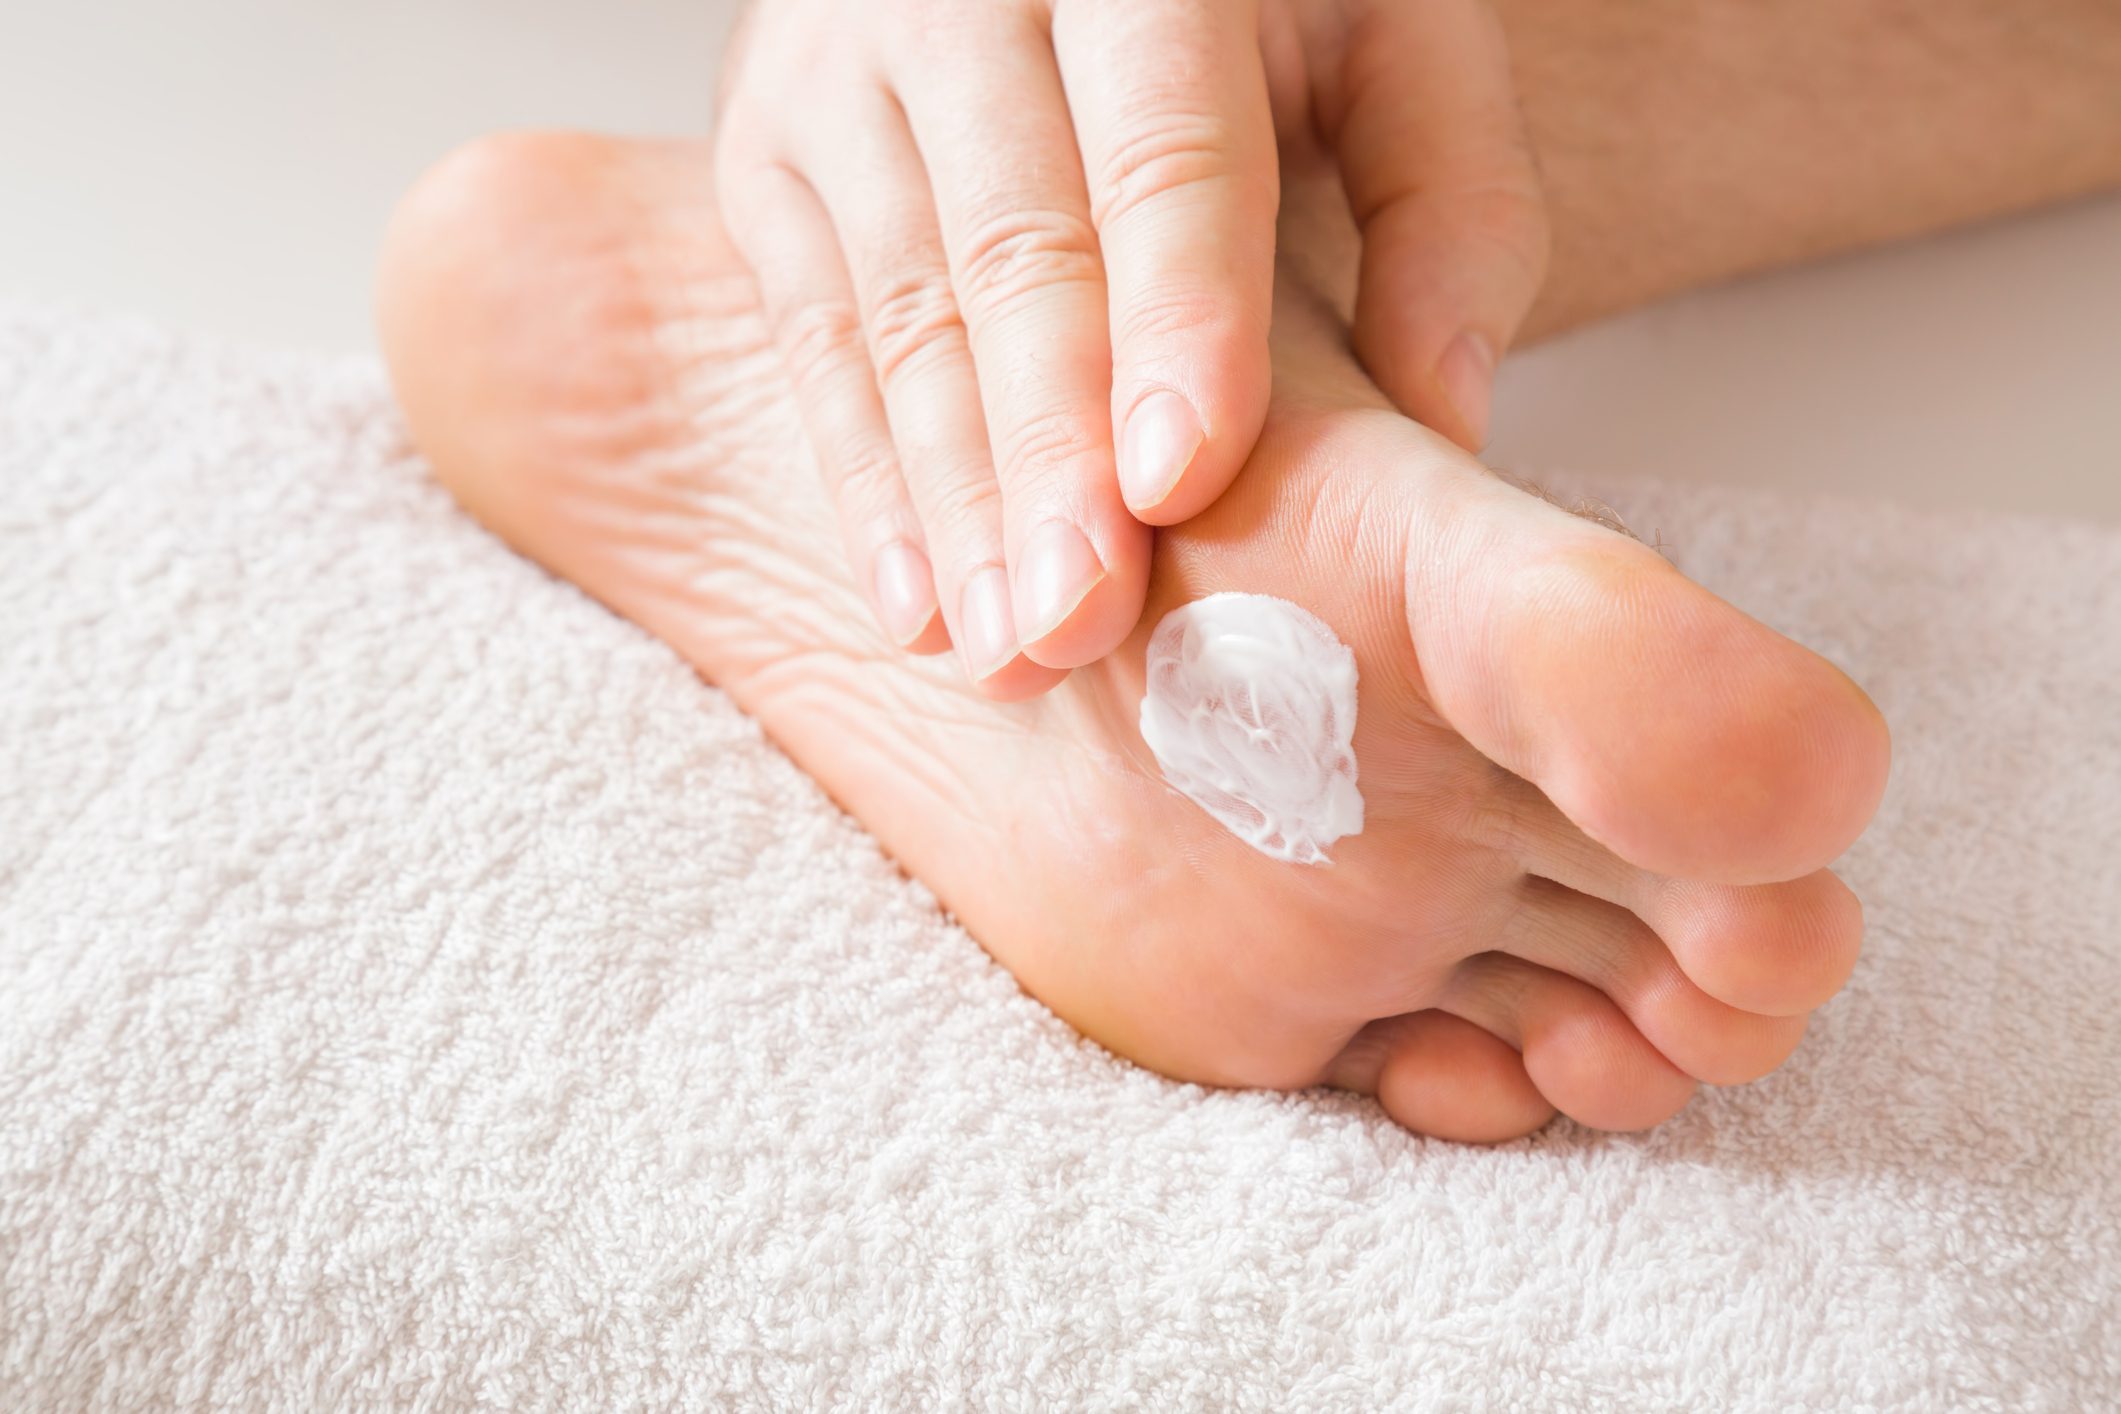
905	591
1163	433
1056	570
1467	371
989	628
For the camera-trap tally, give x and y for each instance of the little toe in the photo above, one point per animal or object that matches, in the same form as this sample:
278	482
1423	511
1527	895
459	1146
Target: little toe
1444	1077
1585	1056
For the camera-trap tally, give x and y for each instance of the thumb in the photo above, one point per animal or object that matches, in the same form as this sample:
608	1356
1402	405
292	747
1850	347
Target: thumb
1440	177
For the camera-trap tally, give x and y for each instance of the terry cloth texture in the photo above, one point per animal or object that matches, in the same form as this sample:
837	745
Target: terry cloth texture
417	989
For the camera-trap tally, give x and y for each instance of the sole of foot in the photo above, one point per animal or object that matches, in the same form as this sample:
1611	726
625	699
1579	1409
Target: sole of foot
1599	801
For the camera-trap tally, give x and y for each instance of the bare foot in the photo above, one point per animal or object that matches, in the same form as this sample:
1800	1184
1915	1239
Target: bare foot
1599	800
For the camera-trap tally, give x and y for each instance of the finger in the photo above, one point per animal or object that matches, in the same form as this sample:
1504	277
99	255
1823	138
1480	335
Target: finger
877	190
1441	180
1170	102
787	239
1025	267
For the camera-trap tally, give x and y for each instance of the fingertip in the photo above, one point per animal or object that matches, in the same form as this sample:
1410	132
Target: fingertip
1066	626
1055	570
902	591
1448	391
1466	376
1179	453
987	643
1446	282
1159	442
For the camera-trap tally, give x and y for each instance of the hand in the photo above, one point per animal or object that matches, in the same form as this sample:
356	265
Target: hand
1018	255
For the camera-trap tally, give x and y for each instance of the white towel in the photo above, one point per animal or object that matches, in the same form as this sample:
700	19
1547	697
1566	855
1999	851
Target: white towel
418	989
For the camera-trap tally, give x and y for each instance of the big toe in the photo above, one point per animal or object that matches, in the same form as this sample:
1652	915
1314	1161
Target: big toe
1683	735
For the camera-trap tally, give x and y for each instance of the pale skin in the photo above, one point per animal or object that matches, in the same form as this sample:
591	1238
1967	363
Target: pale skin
1018	257
1549	910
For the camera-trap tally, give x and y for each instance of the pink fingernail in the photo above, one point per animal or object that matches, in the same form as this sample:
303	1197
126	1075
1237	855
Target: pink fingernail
1467	371
1054	573
1163	433
905	591
988	627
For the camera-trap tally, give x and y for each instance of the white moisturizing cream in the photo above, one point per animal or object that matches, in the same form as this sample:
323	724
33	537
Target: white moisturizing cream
1250	710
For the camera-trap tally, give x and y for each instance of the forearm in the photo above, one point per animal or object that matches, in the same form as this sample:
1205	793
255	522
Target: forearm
1683	143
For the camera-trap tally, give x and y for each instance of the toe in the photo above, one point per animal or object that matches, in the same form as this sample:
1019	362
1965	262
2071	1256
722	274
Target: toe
1773	949
1776	949
1613	950
1585	1056
1444	1077
1685	736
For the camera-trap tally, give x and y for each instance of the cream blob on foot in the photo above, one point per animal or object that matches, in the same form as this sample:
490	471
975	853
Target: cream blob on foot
1250	711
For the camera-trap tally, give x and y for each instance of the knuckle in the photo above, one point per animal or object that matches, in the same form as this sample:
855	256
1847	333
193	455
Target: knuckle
819	339
1170	151
866	482
911	316
1017	254
1162	314
1049	444
1511	219
1502	216
964	505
